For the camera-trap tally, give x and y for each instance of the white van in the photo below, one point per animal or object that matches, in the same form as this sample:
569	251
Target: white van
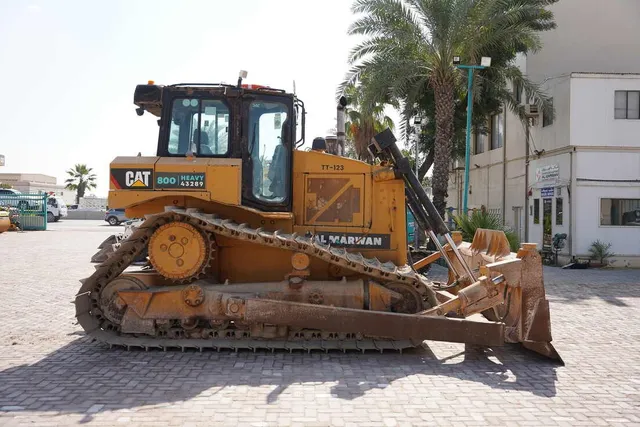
56	209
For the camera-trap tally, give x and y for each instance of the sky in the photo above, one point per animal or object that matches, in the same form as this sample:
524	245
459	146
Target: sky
69	69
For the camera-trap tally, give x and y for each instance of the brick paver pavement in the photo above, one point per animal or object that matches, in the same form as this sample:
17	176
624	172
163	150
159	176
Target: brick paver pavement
51	375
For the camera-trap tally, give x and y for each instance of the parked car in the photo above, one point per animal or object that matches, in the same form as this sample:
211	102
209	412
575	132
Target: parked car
115	216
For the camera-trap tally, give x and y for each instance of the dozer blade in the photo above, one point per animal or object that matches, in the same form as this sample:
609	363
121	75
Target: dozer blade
525	310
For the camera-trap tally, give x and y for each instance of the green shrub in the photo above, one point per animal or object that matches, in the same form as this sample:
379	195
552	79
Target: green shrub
468	224
600	251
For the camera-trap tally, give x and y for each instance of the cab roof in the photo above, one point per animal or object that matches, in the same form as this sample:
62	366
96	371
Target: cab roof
148	97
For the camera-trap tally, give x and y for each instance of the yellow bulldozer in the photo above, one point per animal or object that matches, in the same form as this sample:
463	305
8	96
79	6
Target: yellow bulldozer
251	242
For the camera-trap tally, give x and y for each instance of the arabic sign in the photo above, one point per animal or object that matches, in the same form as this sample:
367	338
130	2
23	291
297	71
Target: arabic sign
546	192
547	173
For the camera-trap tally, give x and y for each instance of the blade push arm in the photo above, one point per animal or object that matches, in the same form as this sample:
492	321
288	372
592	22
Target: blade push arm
384	147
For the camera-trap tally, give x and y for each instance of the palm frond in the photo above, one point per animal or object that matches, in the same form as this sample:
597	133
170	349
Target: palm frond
407	54
388	17
468	224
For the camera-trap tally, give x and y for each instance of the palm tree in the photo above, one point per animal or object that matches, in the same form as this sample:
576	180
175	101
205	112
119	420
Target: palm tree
410	47
364	121
81	179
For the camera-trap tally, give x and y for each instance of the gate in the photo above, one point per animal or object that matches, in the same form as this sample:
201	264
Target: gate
32	208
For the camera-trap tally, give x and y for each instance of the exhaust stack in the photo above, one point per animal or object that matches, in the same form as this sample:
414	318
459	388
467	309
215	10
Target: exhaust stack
340	126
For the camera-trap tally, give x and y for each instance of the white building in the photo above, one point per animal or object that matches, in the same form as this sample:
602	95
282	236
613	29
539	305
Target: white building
37	183
581	173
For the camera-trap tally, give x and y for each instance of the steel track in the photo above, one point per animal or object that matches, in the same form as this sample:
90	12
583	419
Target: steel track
98	327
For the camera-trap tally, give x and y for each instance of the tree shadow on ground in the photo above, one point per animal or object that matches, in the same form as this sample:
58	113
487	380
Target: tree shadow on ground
87	377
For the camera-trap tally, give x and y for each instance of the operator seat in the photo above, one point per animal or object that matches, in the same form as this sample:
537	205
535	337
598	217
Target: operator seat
204	143
278	168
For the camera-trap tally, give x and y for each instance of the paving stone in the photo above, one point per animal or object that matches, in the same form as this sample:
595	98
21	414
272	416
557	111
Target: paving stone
51	374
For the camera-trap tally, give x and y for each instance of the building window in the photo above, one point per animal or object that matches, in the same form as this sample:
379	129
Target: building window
497	131
517	91
480	142
625	212
558	210
536	211
546	119
627	104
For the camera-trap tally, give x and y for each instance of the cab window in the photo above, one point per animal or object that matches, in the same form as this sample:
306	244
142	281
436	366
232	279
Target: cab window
269	150
200	126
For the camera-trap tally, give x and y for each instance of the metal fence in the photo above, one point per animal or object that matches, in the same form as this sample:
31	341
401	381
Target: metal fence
32	208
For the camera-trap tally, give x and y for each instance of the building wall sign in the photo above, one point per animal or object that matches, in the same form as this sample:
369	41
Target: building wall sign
547	173
546	192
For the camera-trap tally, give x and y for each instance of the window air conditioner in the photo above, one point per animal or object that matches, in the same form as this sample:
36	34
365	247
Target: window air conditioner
531	110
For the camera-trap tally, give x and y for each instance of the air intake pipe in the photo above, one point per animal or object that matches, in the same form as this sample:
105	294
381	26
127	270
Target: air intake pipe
340	126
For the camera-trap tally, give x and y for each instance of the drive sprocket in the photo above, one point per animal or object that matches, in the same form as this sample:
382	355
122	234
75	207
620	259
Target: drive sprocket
179	251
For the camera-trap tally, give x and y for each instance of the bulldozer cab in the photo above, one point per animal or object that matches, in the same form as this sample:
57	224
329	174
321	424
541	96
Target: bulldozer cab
254	124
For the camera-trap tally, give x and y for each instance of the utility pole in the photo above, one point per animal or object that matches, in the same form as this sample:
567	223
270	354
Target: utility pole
486	62
417	121
526	182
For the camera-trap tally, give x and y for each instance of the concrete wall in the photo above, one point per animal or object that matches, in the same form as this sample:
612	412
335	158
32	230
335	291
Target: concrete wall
591	35
515	196
514	136
607	162
592	114
93	202
623	165
625	240
557	134
85	214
